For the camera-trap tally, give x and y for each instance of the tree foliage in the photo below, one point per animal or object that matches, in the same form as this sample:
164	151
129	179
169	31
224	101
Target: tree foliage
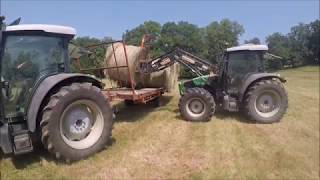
213	38
314	41
254	40
97	52
299	47
220	35
135	35
182	34
206	42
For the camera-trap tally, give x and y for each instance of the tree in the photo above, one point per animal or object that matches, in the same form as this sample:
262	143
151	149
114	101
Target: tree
300	46
180	35
2	23
183	35
135	35
254	40
220	35
279	45
314	42
99	53
298	40
205	42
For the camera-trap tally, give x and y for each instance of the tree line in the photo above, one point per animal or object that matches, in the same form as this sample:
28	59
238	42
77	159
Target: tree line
300	46
206	42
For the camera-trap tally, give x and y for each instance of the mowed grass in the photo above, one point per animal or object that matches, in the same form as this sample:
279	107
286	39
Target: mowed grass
155	143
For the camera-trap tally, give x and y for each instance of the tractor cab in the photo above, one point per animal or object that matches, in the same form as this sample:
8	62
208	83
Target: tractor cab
30	53
239	63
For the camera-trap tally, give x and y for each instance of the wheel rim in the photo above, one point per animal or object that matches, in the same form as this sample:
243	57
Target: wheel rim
195	107
81	124
268	103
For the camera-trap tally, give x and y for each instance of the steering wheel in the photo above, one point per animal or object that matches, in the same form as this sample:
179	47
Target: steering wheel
49	67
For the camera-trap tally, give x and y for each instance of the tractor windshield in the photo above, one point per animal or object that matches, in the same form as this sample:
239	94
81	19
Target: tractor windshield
242	63
25	59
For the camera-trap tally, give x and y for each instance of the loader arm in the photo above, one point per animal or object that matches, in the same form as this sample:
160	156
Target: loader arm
197	65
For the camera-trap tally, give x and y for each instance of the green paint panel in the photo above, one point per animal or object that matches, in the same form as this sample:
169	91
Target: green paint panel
196	82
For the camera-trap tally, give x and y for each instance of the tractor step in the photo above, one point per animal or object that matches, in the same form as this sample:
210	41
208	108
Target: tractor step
230	104
22	142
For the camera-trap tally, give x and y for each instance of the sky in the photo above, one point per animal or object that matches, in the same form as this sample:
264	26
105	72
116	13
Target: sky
97	18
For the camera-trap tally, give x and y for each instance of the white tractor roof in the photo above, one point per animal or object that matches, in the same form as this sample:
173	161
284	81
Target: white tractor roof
250	47
43	27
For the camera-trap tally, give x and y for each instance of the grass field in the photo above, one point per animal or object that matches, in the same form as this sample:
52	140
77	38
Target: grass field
157	144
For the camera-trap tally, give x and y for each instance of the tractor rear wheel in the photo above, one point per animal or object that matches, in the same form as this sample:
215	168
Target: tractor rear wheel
76	122
197	104
266	101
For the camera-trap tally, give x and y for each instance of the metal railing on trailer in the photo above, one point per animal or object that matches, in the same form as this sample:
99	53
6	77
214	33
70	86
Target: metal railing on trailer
122	92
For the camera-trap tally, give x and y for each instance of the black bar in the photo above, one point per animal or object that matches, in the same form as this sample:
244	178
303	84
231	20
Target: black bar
103	43
89	69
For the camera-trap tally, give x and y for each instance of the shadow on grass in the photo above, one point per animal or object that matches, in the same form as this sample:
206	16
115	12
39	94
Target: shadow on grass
224	115
125	114
24	160
239	116
39	153
137	112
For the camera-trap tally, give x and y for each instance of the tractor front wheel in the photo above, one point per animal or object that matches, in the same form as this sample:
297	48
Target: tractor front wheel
197	104
76	122
266	101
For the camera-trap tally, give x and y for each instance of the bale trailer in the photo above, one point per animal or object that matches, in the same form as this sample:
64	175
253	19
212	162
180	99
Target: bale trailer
126	92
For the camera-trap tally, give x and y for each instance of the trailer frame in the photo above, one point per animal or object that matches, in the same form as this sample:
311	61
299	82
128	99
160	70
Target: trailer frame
143	95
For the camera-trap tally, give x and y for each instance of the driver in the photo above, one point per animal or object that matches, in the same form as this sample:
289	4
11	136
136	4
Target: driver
21	82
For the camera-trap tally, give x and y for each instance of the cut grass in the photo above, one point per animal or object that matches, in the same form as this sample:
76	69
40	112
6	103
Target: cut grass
157	144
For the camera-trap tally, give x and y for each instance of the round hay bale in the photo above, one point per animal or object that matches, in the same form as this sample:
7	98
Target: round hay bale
166	78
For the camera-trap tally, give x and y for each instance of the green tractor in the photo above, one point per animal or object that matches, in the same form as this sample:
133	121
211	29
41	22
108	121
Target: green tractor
241	83
41	100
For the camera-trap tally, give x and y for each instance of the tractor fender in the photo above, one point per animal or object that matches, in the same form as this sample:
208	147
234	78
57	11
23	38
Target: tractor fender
48	84
256	77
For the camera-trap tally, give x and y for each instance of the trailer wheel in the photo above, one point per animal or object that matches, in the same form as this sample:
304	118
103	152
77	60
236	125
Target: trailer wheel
155	102
266	101
76	122
129	102
197	104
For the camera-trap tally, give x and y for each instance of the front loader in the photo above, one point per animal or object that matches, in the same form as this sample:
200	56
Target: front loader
42	100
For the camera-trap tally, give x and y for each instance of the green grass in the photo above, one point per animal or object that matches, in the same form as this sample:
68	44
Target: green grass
157	144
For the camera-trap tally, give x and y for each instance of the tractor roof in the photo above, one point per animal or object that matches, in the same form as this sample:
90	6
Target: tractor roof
43	27
248	47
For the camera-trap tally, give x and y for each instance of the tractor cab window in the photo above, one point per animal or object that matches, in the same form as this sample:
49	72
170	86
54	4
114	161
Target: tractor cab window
240	64
25	59
244	62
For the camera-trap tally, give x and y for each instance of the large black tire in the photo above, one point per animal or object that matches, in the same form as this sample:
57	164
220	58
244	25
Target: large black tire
79	109
197	105
266	101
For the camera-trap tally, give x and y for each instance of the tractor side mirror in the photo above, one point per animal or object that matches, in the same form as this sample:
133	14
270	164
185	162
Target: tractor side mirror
6	87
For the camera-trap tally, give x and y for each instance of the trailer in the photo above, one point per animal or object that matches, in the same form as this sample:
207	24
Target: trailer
131	95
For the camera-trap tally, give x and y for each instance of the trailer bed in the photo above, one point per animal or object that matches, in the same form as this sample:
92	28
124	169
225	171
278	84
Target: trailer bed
137	95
